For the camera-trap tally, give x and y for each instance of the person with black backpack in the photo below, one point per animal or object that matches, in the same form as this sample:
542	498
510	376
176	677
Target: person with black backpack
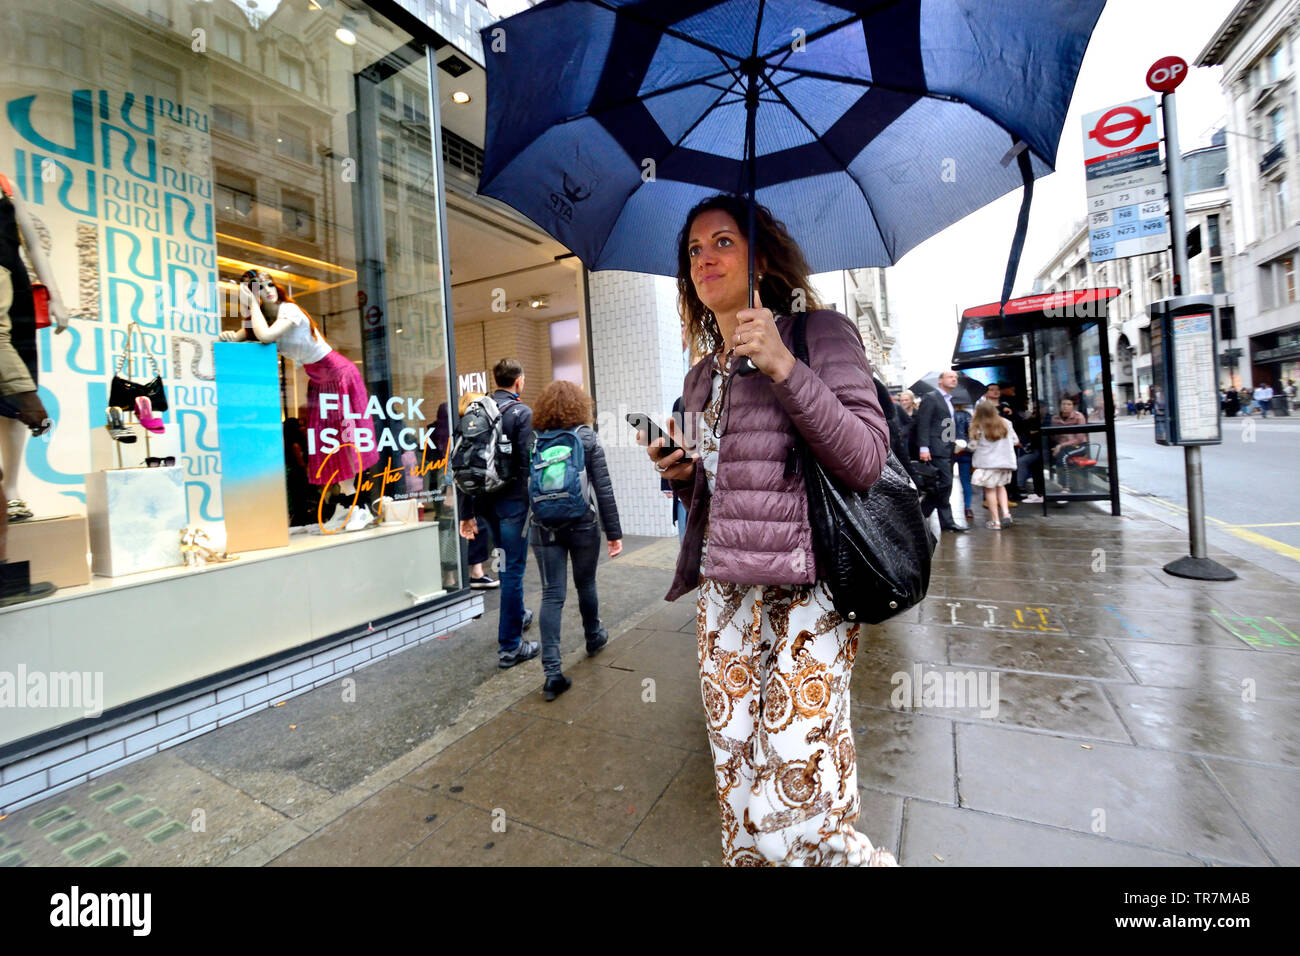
489	466
568	485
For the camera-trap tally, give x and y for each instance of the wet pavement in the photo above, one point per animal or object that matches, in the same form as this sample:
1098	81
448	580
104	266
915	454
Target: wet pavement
1057	699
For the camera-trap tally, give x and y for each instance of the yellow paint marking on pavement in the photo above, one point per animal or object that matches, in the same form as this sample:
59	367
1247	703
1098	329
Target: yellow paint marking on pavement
1271	524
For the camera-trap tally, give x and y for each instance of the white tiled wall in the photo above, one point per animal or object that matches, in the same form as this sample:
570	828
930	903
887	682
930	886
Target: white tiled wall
636	342
41	775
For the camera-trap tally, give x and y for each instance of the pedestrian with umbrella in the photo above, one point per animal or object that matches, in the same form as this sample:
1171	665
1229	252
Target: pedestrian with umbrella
775	659
862	128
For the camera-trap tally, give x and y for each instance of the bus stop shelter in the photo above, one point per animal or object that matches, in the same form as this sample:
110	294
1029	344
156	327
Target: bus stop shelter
1056	345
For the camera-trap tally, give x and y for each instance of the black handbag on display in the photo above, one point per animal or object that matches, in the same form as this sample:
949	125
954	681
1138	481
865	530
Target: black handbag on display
123	392
872	547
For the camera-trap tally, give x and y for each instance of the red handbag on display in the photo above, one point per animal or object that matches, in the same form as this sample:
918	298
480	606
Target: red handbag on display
41	300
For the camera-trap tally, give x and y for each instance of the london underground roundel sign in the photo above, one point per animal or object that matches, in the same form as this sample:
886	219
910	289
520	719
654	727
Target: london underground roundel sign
1166	73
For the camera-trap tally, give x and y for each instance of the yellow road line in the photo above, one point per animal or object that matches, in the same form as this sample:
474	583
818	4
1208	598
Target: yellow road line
1271	524
1277	547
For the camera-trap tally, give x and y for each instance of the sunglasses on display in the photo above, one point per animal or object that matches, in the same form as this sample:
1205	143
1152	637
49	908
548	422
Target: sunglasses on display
167	462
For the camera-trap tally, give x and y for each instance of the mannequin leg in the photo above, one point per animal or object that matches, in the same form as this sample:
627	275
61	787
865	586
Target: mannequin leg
348	487
13	442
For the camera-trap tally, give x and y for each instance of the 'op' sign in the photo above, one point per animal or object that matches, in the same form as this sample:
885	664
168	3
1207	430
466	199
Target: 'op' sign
1166	73
1126	190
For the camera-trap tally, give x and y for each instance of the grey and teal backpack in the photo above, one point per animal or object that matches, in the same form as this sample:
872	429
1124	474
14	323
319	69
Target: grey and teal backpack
557	478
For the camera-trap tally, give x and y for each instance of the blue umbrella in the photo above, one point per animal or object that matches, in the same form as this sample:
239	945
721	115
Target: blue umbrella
866	127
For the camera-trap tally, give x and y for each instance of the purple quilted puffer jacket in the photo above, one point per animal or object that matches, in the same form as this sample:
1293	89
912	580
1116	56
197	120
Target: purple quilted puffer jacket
758	518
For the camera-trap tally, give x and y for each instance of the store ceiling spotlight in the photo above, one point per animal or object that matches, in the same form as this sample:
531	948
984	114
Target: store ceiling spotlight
460	96
537	302
346	32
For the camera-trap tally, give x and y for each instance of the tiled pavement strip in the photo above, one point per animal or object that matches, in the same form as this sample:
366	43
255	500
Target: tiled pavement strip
1142	720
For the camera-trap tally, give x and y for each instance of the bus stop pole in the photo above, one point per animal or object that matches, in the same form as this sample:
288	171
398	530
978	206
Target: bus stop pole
1200	566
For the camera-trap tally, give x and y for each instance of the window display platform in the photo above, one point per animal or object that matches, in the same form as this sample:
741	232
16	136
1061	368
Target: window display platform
298	544
151	632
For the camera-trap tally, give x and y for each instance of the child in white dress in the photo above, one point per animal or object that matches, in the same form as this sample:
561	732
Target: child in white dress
993	461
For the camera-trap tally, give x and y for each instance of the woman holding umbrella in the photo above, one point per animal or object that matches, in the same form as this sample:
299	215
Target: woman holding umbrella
775	659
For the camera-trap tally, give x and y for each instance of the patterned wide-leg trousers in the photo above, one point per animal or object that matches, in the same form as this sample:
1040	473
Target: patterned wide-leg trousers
775	664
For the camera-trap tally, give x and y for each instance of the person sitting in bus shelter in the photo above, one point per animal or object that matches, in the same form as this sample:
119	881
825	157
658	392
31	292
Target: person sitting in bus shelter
1066	445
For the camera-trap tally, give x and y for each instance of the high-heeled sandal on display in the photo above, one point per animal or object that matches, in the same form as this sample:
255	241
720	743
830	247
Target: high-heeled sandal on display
197	554
144	414
117	427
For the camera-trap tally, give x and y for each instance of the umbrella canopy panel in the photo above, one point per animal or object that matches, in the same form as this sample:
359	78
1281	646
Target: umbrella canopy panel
877	124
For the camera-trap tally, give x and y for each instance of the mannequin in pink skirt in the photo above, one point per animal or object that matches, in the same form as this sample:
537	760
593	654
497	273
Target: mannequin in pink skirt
275	317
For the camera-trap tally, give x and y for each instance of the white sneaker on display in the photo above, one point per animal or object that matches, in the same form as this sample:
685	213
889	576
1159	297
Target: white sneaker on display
361	518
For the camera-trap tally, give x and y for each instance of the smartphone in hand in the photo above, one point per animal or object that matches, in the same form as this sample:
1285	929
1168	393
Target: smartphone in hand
644	423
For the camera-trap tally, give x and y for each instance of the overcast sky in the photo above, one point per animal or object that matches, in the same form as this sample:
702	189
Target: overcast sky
964	265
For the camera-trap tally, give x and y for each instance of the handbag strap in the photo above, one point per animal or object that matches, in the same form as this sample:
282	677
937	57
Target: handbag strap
124	360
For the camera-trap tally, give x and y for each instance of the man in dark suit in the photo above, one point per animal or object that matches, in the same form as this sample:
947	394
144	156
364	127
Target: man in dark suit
936	435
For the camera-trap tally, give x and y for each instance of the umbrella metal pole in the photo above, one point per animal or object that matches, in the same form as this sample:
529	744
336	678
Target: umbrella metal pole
747	367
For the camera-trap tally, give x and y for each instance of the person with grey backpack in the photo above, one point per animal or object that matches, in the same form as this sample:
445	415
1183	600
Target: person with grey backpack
568	488
489	466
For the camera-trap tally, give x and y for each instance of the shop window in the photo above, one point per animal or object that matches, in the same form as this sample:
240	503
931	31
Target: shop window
291	74
174	207
294	140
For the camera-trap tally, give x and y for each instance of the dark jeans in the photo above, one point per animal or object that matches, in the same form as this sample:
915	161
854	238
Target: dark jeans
506	519
944	489
581	541
963	473
480	546
1031	463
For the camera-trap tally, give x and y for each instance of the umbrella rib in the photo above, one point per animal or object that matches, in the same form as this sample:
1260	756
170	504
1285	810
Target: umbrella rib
873	84
840	162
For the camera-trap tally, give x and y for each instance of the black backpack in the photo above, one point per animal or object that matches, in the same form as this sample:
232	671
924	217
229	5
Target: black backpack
482	461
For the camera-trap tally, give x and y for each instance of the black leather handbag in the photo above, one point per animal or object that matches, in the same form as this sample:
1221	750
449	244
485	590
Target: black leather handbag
123	392
872	547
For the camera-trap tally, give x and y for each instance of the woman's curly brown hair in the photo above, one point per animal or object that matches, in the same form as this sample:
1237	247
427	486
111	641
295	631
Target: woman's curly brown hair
786	286
562	405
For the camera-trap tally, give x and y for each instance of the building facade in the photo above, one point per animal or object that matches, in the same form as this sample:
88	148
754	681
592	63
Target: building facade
1145	279
1256	47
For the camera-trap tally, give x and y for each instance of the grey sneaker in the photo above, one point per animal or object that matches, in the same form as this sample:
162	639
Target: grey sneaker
526	651
528	619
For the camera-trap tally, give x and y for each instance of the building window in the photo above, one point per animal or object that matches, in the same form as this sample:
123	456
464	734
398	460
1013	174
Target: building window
1212	228
387	101
232	202
291	72
297	216
151	78
1277	282
1216	276
1278	214
227	41
415	105
294	141
159	11
1277	123
231	119
1275	63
